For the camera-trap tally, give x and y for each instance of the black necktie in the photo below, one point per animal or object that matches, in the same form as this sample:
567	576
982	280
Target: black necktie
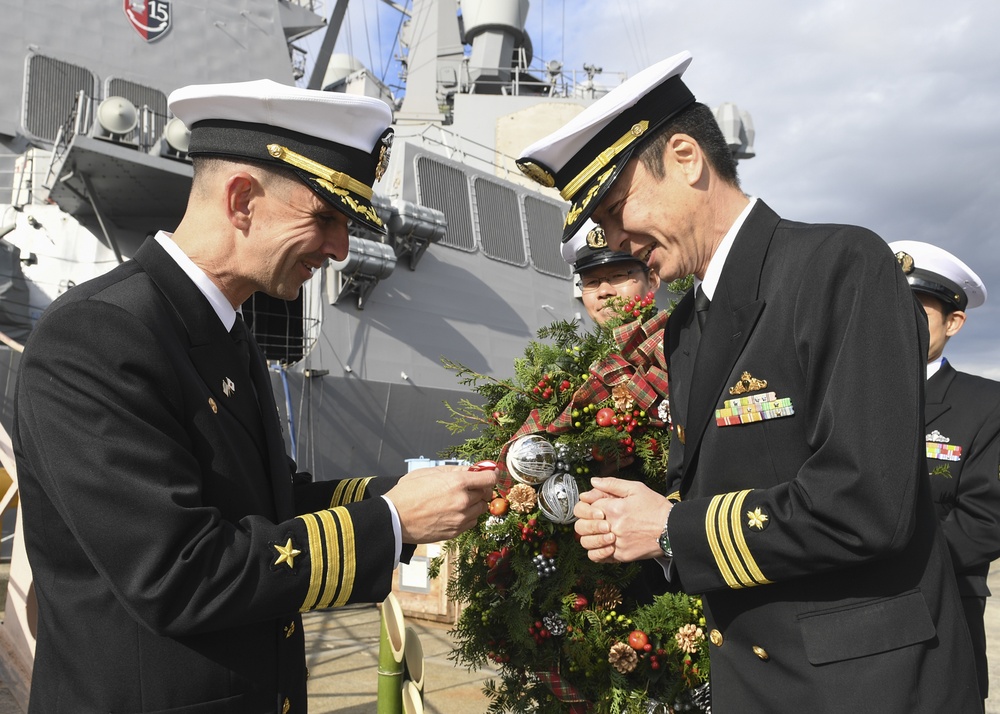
701	304
242	339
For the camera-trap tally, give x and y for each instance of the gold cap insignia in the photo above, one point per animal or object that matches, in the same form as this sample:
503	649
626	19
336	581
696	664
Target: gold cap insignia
758	519
905	261
537	173
747	384
383	155
286	553
596	238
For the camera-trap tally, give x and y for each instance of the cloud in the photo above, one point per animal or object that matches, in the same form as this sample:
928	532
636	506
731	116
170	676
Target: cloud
883	114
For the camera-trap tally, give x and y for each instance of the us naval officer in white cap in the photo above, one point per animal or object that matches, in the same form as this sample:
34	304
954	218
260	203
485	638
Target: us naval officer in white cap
805	517
608	278
962	417
172	547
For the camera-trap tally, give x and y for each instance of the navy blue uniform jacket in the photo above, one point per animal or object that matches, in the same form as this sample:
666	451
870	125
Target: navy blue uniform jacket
170	551
798	448
963	458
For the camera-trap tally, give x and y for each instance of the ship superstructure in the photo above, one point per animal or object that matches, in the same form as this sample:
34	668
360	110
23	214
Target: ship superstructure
471	266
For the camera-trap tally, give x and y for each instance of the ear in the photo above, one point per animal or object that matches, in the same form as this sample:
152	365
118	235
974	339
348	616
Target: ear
954	323
240	191
654	280
685	152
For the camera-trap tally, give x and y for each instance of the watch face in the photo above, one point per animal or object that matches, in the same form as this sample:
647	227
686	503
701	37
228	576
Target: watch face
665	544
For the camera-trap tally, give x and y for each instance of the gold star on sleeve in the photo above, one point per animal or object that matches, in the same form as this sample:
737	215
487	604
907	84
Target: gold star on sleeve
757	519
286	553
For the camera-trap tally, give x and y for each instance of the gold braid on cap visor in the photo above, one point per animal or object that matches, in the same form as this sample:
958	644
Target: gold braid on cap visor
603	159
336	178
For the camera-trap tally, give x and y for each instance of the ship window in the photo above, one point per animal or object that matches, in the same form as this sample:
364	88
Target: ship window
277	326
545	225
50	94
446	189
151	124
500	232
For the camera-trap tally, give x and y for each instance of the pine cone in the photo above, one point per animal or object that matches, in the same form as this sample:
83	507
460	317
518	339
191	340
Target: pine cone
522	498
688	638
554	624
622	657
607	597
624	401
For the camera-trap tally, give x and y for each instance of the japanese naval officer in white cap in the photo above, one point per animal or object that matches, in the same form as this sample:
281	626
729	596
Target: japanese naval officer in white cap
796	395
608	278
172	543
962	417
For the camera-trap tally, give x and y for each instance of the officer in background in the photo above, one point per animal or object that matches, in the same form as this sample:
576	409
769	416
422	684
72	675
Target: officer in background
962	414
607	278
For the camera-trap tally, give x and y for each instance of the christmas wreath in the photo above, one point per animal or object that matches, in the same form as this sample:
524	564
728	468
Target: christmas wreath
566	634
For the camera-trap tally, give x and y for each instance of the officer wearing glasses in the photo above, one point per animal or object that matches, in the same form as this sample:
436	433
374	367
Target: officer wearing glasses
604	273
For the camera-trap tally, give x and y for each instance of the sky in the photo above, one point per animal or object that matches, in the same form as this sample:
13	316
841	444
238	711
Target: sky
884	114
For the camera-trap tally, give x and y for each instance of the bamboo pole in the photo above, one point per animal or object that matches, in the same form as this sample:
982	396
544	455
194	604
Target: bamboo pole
413	662
413	702
392	640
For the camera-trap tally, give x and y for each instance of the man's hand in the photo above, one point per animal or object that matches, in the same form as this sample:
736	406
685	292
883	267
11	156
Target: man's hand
620	521
439	503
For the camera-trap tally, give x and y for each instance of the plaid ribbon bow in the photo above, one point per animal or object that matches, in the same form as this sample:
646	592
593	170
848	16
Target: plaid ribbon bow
564	691
639	366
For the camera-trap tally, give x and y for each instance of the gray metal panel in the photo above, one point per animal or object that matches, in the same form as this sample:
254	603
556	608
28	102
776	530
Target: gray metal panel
499	221
209	41
51	86
446	188
365	428
545	225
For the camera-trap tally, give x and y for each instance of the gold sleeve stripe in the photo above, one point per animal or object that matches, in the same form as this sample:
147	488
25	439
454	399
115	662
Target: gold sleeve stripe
724	528
331	536
728	521
675	496
349	491
332	558
359	492
713	543
316	561
741	543
349	561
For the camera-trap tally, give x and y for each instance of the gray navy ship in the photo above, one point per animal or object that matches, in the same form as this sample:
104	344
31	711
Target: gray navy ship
91	163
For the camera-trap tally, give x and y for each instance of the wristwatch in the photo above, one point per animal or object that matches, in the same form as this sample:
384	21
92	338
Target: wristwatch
664	539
